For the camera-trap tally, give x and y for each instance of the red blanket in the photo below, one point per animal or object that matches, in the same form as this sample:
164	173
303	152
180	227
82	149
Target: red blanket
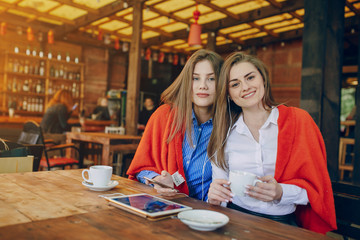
154	153
301	160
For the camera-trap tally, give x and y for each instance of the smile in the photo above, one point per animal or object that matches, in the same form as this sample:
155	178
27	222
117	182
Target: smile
248	95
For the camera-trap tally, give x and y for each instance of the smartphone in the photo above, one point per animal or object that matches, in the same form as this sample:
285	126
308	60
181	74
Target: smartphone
75	106
159	183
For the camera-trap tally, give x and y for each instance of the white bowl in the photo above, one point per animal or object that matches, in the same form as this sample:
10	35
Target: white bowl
203	220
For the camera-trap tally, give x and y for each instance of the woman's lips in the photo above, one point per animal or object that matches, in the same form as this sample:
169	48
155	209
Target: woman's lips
202	95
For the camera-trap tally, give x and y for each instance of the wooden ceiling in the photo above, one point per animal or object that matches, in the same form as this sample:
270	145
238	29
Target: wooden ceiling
237	23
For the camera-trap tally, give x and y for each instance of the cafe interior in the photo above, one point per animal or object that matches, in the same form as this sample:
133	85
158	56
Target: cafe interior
123	52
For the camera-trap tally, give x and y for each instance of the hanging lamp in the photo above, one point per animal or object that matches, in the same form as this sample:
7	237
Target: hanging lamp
195	30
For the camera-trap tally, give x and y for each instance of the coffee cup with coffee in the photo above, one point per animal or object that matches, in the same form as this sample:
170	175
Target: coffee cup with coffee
239	180
98	175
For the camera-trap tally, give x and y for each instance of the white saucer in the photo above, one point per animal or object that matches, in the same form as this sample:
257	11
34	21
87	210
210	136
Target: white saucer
111	185
203	220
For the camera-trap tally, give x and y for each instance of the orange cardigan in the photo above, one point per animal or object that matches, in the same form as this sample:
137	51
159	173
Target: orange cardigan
154	153
301	160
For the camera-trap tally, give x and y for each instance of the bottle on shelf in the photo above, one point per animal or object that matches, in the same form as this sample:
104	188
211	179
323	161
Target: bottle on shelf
67	57
41	53
49	55
16	66
38	87
14	85
10	66
24	104
26	67
21	66
42	68
52	71
26	86
28	52
41	107
34	52
16	49
59	56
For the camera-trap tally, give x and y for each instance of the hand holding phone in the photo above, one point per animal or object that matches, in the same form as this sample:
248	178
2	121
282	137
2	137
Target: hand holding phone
159	183
74	107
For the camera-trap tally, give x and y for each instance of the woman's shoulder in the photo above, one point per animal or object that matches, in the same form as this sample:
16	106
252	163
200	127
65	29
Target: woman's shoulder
293	110
163	110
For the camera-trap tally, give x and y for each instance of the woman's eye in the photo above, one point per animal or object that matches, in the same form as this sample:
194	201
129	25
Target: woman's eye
250	77
212	79
234	84
195	78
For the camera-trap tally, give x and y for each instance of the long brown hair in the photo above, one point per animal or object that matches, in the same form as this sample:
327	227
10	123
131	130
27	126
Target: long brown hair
221	119
178	94
62	96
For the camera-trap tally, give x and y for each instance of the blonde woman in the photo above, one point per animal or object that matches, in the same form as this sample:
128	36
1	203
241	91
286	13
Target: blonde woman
57	112
173	147
281	145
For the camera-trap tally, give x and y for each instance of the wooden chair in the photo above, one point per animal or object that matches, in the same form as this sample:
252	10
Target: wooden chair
343	166
347	207
54	155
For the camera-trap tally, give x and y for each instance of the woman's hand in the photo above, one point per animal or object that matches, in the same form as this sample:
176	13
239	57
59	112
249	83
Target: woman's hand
166	179
267	191
219	191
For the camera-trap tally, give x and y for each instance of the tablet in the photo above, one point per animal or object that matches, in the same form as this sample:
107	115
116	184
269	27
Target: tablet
146	205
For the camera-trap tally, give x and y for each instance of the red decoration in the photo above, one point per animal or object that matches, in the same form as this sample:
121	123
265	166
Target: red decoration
3	28
195	30
161	57
148	54
117	44
176	60
100	35
30	34
50	37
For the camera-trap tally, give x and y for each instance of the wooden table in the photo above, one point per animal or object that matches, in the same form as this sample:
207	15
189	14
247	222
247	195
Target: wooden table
110	142
55	205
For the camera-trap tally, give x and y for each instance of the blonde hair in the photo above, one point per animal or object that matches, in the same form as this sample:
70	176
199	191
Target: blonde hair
221	120
179	94
62	96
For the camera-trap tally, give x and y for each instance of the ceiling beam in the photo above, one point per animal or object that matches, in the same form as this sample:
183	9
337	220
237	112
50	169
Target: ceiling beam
251	16
81	6
105	11
219	9
29	10
352	8
17	21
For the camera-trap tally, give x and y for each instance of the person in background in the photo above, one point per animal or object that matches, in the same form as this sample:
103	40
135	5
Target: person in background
281	145
101	111
172	149
57	112
145	114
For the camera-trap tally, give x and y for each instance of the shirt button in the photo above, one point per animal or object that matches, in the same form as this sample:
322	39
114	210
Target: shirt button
188	162
194	146
199	129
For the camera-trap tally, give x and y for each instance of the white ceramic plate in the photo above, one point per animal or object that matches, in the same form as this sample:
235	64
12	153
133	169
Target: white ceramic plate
203	220
111	185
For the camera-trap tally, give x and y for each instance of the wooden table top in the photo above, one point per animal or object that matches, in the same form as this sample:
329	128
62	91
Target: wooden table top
55	205
97	135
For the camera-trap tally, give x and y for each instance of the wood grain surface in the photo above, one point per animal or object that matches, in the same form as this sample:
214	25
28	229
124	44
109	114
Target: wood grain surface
55	205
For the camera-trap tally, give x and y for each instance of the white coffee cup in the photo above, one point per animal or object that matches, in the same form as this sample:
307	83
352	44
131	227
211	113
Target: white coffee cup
239	180
98	175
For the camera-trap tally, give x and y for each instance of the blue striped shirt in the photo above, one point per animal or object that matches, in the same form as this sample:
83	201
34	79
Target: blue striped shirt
196	164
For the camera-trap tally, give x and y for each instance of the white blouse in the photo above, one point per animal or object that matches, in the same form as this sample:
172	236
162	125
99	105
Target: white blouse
243	152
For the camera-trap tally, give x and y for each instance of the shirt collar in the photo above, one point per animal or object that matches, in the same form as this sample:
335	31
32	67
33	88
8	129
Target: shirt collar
195	121
272	119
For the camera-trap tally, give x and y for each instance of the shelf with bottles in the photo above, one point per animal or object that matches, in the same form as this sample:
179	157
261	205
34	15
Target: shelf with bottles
26	104
62	70
18	63
25	85
73	87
